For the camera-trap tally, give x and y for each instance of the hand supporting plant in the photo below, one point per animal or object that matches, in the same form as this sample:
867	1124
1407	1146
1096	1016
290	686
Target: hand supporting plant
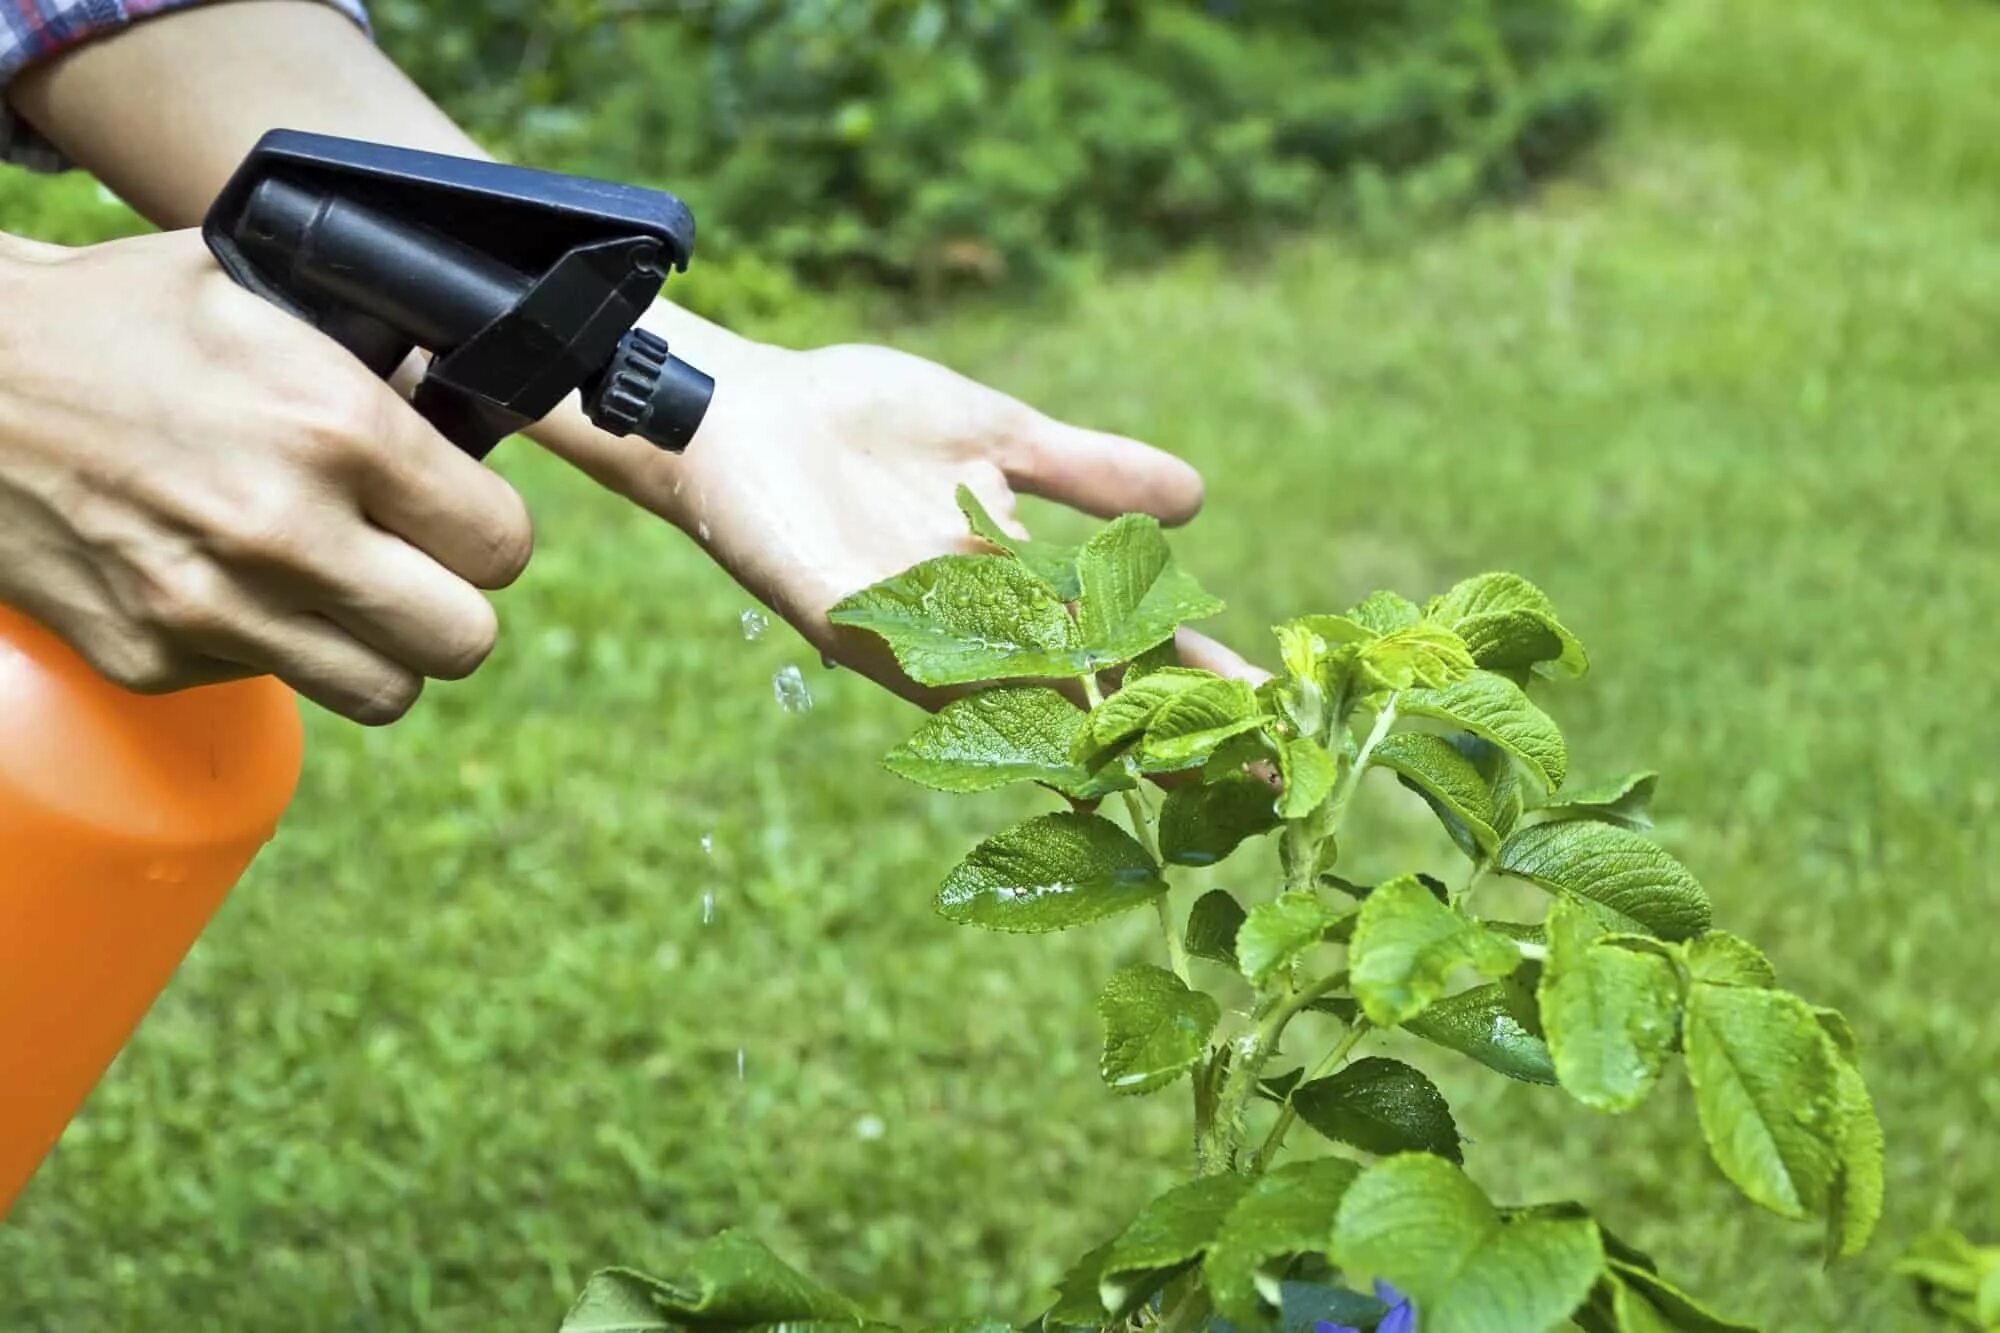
1622	973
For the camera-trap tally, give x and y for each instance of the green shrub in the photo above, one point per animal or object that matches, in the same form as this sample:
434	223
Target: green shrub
943	142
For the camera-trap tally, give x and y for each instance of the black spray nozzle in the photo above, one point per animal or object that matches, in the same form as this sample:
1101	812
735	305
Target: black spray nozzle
524	285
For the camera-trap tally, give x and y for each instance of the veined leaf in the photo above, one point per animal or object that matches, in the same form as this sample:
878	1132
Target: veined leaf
1380	1106
1636	1299
1133	595
1212	925
1407	945
1051	873
1492	1024
1858	1182
1051	562
1130	711
1020	733
731	1279
1187	728
1199	825
1490	594
1429	656
1633	879
1077	1303
1171	1231
1496	710
1625	800
1155	1028
1611	1013
1455	790
957	619
1416	1221
1509	641
1767	1090
1384	612
1308	772
1718	958
1278	933
1288	1211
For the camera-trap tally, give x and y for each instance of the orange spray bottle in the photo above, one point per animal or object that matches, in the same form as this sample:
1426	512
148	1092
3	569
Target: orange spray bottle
125	819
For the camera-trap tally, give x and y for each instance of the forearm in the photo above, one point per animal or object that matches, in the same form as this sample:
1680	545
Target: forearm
164	111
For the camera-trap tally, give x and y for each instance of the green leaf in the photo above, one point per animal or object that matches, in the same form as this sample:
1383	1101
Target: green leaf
1495	709
1429	656
957	619
1130	711
1625	800
1051	562
1767	1090
1510	640
1639	886
1155	1028
1188	727
1238	753
1490	594
1611	1013
1641	1293
1133	594
1858	1184
1173	1230
1438	771
1289	1211
1050	873
1836	1026
731	1279
1201	825
1212	925
1380	1106
1406	947
1278	933
1019	733
1077	1302
1493	1025
1721	959
1416	1221
1308	772
1384	612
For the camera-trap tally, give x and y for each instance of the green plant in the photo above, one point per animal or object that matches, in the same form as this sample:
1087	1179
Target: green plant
1956	1279
1621	972
928	143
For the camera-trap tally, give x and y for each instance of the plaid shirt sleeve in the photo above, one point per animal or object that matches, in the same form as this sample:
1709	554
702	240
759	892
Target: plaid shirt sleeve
32	30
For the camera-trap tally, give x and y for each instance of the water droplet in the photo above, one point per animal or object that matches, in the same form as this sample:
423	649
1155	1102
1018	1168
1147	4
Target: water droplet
739	1064
708	844
708	908
788	686
869	1128
701	529
755	622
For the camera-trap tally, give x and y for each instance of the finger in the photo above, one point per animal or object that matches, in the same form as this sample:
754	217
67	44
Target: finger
324	663
407	607
420	486
1101	474
1198	650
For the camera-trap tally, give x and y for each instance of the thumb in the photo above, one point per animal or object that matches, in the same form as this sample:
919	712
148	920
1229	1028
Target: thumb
1101	473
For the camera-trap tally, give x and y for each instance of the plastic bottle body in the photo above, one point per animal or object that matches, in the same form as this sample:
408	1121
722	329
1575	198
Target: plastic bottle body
124	821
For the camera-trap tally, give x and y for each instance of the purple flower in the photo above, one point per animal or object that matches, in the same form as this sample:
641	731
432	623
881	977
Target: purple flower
1402	1316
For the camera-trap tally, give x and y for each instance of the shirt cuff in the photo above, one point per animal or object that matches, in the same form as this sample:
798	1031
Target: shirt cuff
34	30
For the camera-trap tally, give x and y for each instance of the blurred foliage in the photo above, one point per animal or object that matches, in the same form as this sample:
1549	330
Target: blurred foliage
934	143
70	209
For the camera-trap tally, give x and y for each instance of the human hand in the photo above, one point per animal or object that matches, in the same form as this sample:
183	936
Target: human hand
195	486
818	473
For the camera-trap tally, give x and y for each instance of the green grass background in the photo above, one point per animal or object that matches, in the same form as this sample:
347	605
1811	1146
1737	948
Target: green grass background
1731	396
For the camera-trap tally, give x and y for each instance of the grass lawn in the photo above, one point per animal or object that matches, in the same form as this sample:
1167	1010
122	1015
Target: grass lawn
1731	395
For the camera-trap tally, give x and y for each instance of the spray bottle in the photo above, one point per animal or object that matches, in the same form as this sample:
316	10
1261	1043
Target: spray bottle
126	819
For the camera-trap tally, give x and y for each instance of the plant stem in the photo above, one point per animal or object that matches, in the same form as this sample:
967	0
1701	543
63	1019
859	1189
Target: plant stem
1350	781
1141	815
1327	1064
